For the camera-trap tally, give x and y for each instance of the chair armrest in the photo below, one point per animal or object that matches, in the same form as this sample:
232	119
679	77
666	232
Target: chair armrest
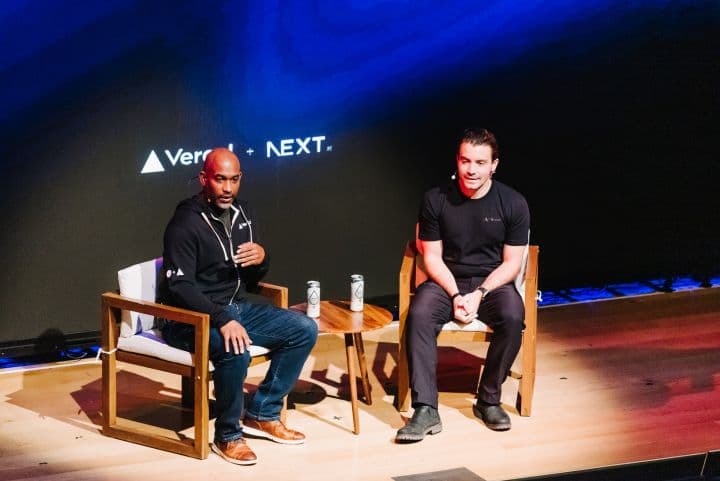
113	303
186	316
278	294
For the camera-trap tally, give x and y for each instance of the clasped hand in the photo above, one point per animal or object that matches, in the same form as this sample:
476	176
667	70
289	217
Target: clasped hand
465	307
249	254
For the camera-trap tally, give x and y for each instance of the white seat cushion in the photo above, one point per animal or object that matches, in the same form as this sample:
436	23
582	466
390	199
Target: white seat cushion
473	326
151	343
137	331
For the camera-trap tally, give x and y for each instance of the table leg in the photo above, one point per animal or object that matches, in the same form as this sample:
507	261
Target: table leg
360	348
350	354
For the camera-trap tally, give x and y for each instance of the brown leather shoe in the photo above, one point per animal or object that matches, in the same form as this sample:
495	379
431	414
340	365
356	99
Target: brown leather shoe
236	452
274	430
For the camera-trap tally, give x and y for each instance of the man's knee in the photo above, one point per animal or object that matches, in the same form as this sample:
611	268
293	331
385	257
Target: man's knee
429	306
309	328
305	329
225	359
511	317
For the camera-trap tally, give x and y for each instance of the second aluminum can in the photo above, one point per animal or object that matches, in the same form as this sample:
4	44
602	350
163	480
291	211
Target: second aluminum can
313	299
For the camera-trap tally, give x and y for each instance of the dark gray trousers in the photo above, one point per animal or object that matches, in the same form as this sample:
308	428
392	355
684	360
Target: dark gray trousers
502	310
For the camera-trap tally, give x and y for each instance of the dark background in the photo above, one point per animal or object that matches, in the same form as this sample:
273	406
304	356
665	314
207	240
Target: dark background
606	113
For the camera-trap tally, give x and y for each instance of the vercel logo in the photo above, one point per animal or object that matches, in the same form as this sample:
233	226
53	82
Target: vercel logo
159	162
179	156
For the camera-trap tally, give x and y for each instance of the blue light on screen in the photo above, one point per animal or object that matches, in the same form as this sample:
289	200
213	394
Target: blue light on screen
321	61
276	64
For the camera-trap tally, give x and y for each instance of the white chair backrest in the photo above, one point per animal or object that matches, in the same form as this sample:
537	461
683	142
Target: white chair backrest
138	281
520	279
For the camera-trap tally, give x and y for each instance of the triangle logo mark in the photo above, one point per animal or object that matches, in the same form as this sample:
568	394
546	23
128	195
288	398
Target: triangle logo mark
152	164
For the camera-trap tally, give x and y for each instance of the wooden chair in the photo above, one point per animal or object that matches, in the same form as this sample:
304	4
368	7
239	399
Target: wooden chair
412	274
129	335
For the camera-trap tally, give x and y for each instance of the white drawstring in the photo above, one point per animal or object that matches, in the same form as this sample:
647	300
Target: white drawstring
100	351
247	221
222	246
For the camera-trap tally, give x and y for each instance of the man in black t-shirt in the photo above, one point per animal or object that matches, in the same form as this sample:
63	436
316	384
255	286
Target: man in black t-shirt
472	234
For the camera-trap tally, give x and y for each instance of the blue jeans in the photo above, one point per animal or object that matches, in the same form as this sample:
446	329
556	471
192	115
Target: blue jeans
289	335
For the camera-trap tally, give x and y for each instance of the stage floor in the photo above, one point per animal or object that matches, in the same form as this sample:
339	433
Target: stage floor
619	381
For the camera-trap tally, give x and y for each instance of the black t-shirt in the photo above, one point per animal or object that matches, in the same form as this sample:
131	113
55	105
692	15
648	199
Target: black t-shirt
474	231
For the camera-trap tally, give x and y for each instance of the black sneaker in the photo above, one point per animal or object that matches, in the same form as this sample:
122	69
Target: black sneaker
492	415
425	420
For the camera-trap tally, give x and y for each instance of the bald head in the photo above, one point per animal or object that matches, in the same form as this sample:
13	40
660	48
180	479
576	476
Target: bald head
220	177
219	155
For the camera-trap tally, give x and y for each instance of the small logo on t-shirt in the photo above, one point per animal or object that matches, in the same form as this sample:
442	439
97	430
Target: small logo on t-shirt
170	272
492	219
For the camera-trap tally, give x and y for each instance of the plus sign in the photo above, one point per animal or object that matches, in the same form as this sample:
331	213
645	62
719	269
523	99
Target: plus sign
249	151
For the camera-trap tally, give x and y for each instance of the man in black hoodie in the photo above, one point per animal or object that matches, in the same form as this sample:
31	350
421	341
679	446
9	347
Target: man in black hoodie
211	260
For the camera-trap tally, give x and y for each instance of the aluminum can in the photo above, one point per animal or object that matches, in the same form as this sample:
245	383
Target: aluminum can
313	299
357	288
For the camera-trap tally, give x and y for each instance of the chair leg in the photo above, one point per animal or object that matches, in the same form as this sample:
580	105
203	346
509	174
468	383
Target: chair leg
402	401
109	391
191	392
527	381
187	392
201	418
109	317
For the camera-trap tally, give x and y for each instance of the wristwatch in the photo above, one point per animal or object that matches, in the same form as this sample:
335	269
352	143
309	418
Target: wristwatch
483	292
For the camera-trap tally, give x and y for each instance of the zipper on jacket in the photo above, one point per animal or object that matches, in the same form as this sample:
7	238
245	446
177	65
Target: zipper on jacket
222	246
237	270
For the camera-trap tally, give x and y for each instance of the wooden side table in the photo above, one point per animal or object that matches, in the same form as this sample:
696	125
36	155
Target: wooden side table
336	317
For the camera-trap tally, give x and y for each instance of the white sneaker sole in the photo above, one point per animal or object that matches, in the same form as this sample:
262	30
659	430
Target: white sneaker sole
219	452
247	430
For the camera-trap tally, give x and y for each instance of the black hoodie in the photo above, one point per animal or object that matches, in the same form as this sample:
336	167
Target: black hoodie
199	272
